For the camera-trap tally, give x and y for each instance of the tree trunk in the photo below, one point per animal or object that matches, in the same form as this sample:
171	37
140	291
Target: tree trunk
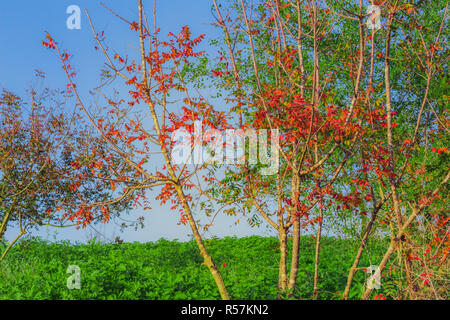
208	260
354	267
316	261
282	276
392	246
295	257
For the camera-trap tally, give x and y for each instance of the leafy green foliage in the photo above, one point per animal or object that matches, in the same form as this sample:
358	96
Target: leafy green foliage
36	269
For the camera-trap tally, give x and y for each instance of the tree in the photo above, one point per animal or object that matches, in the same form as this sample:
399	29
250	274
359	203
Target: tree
133	145
315	71
282	75
38	147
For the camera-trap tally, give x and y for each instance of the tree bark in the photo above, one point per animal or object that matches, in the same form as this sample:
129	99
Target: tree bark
316	260
354	267
282	276
207	259
295	257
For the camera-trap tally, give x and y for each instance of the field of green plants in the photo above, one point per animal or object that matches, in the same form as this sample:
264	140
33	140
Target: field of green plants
37	269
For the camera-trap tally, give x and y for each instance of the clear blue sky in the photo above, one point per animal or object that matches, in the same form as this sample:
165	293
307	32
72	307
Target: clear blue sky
22	28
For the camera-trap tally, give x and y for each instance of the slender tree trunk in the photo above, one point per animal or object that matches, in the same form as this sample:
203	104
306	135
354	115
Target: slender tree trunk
355	265
395	199
295	257
22	232
282	276
4	224
385	259
207	259
11	245
408	269
393	245
316	260
296	233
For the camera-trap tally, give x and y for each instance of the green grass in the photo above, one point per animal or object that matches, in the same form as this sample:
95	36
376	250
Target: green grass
36	269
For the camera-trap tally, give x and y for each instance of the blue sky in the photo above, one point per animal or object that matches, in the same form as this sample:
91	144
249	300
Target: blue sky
23	25
22	29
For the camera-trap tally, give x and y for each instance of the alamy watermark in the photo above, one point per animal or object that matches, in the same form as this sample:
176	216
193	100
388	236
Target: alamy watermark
374	17
74	281
74	20
215	146
374	280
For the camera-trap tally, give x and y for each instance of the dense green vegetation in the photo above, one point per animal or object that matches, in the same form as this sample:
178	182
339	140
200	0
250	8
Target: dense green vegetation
36	269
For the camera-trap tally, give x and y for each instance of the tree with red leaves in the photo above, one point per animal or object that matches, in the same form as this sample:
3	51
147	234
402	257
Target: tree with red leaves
314	71
135	146
40	180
